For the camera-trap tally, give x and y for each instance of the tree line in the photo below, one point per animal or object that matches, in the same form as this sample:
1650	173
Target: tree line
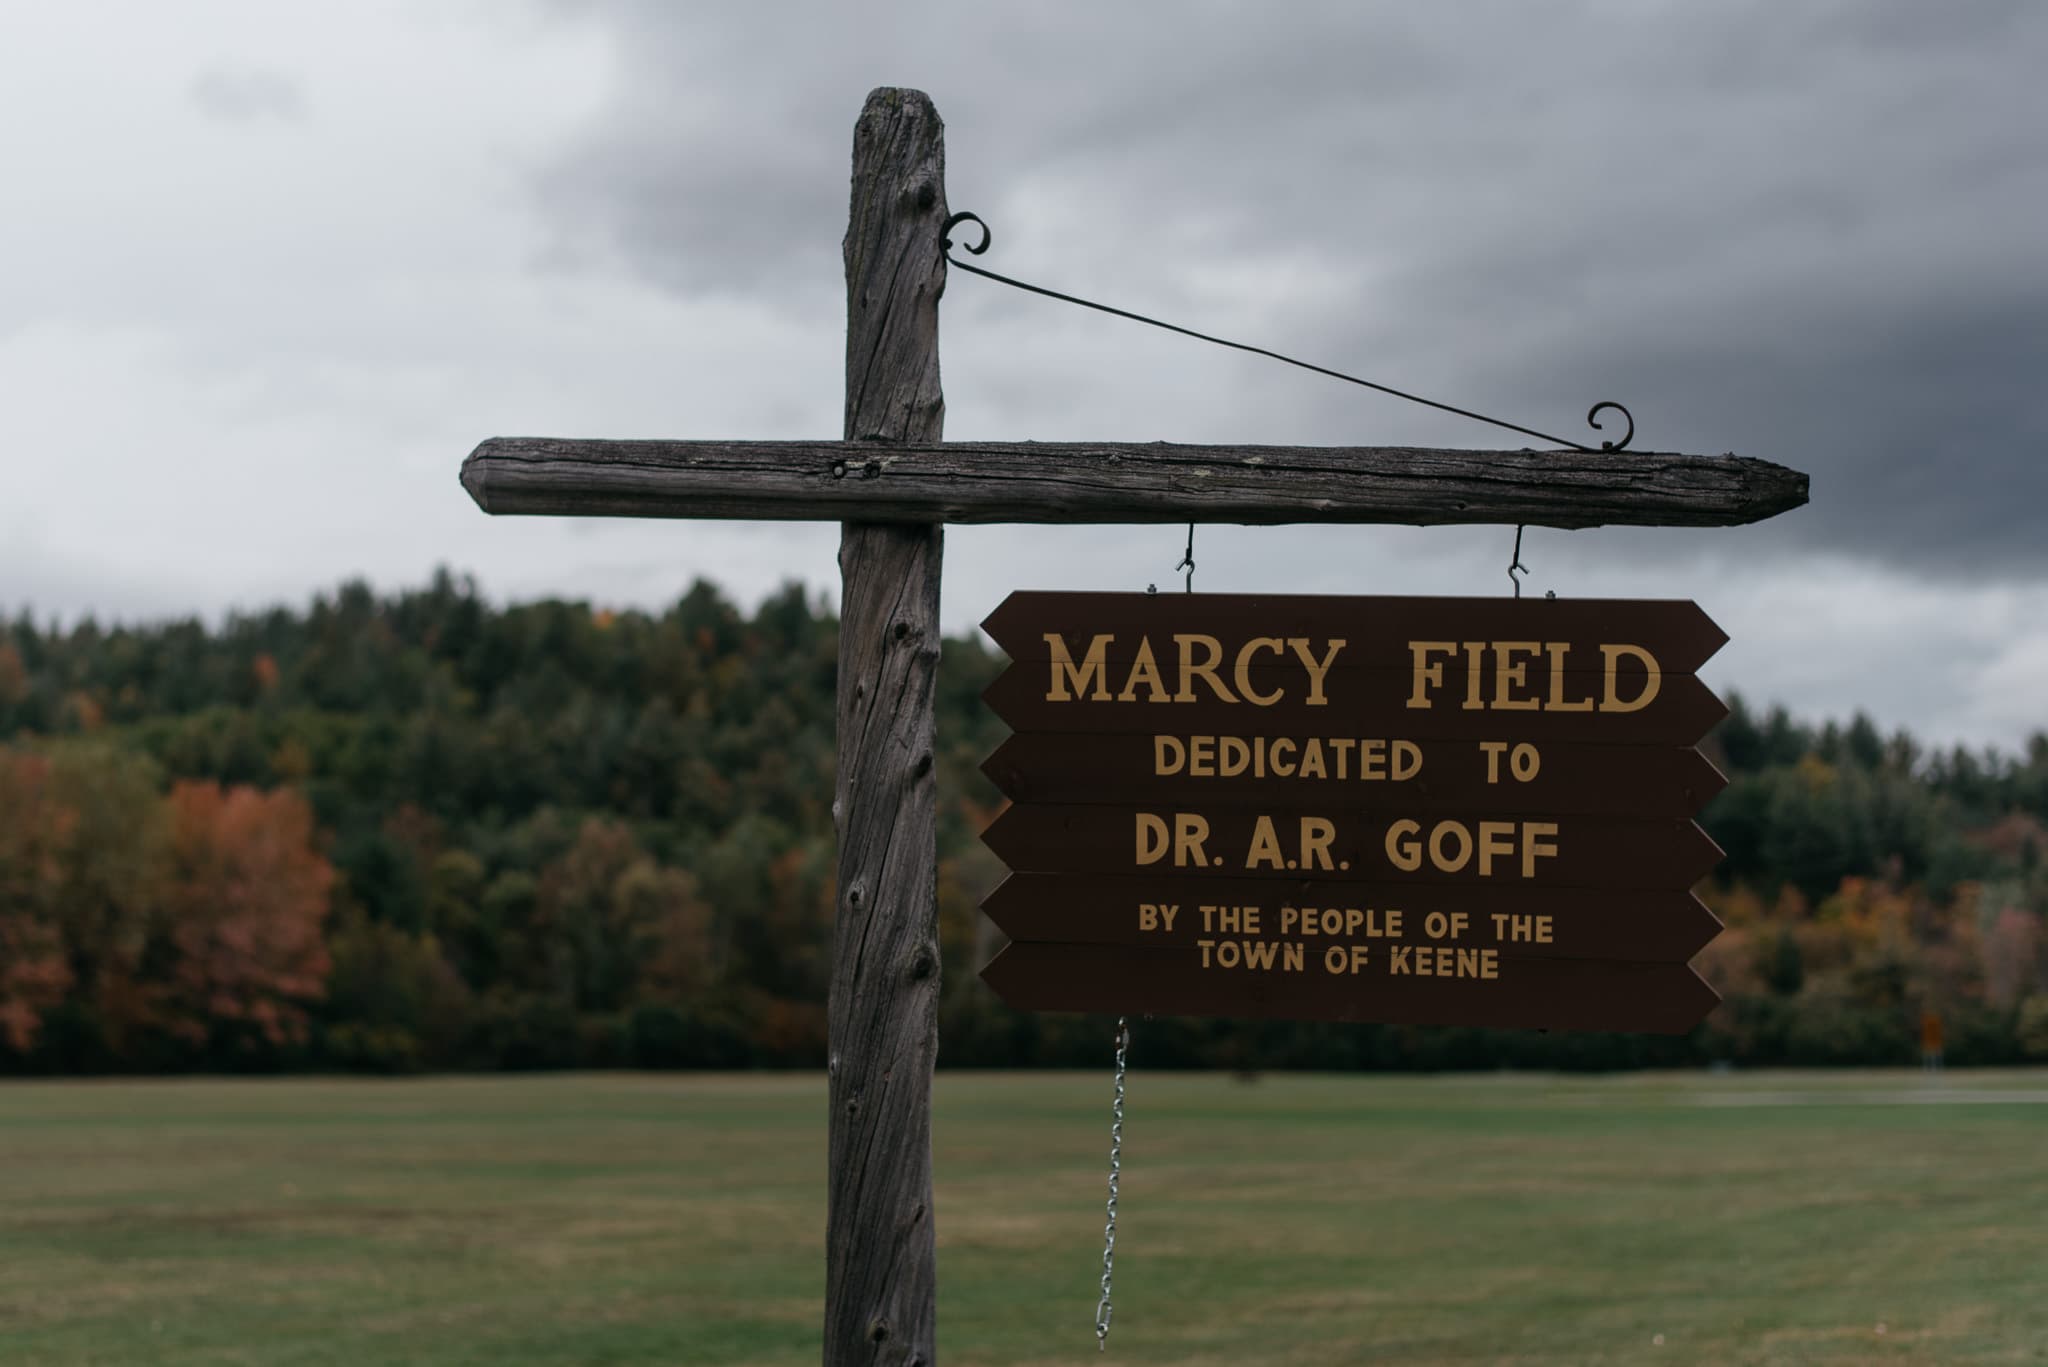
420	831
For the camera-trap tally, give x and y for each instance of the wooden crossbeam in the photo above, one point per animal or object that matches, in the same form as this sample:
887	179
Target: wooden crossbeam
1108	482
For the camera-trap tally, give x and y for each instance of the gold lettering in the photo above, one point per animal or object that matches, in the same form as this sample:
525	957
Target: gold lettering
1494	839
1556	651
1144	670
1265	850
1316	835
1206	670
1437	856
1151	838
1404	851
1243	672
1612	702
1473	651
1092	667
1317	669
1427	675
1508	675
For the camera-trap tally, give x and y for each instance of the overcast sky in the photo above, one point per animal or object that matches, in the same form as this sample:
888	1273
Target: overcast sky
268	272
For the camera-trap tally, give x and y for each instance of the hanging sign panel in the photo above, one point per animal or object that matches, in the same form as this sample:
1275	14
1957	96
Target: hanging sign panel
1427	810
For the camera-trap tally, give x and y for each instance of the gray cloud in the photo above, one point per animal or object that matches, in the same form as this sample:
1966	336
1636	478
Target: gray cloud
249	366
1810	234
248	95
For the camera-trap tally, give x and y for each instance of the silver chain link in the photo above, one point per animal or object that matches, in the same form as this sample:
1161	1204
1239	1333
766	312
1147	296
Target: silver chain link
1103	1309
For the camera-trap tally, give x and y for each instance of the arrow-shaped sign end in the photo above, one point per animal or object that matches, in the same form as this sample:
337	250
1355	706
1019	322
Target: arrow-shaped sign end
1701	925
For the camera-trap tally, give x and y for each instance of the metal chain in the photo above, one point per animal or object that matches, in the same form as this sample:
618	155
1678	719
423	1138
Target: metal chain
1103	1309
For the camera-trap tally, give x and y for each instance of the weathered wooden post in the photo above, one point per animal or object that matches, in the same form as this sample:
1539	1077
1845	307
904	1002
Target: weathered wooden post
880	1274
893	484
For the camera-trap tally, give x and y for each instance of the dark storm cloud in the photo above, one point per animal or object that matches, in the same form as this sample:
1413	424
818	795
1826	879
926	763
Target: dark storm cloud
1811	234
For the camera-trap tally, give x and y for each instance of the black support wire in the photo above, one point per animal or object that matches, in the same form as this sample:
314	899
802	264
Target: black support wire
1592	414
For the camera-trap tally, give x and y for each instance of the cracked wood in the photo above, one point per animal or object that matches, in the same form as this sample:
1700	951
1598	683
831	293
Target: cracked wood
880	1260
924	480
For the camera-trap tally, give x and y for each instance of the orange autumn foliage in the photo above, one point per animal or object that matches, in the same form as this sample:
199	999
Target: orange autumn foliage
247	897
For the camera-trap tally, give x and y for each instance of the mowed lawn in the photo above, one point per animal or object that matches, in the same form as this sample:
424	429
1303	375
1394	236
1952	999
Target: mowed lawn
629	1218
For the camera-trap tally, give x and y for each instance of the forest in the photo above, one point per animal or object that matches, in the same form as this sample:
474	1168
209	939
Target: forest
421	831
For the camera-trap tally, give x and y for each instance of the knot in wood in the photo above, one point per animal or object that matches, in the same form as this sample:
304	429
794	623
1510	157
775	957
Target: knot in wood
923	964
839	469
878	1329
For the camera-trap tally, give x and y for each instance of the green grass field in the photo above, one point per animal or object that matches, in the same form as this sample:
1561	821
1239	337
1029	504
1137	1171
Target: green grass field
1764	1218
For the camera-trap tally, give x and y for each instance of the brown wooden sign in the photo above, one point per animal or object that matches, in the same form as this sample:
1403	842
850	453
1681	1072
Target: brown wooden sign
1456	668
1425	810
1420	984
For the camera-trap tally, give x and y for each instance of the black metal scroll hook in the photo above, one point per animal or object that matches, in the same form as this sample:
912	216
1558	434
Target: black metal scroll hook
1593	420
946	236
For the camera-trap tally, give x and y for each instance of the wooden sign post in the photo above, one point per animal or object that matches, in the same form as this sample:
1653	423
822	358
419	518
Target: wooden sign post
892	482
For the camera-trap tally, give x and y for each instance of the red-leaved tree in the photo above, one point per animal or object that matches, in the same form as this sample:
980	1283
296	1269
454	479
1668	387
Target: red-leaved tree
34	974
248	896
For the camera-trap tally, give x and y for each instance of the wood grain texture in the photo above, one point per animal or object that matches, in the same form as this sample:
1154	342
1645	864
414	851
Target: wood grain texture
1124	769
1530	992
925	480
881	1277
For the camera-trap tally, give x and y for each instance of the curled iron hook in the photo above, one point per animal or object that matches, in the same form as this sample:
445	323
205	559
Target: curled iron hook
946	236
1593	420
